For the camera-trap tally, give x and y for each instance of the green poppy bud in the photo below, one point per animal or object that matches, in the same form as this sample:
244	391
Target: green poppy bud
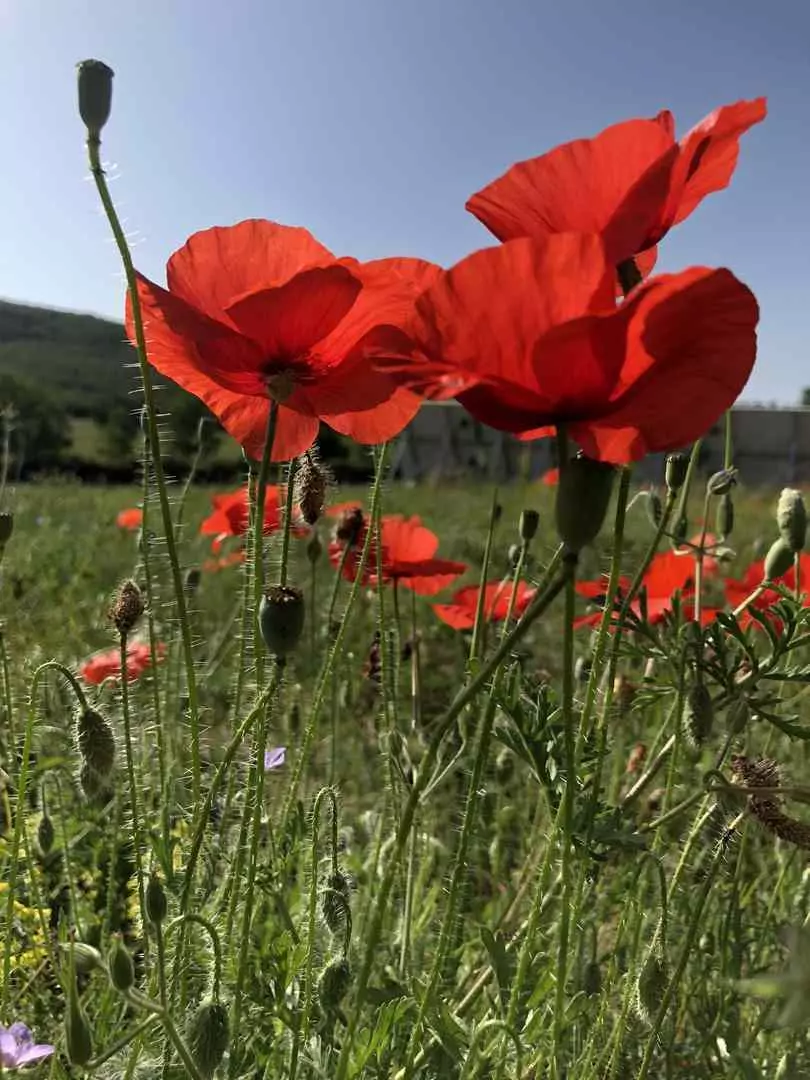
677	466
45	834
739	714
335	901
583	496
724	521
155	901
95	742
721	482
513	554
529	521
651	986
95	95
78	1040
778	560
311	484
699	714
208	1036
334	983
791	517
86	958
281	619
120	966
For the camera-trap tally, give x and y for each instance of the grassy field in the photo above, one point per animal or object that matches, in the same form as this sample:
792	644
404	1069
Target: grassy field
617	944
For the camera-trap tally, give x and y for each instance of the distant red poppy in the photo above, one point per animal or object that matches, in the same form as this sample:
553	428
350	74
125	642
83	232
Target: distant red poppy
738	590
408	557
231	514
224	562
259	310
460	612
107	665
551	477
530	333
337	509
130	519
630	184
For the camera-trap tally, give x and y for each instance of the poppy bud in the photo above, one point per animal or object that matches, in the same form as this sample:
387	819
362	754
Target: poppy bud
6	527
592	978
675	471
155	901
96	743
513	554
583	496
120	966
350	526
281	618
95	95
791	517
96	788
739	714
86	958
334	983
311	483
778	560
655	510
699	714
721	482
45	833
78	1040
193	579
651	986
127	607
725	516
529	521
314	548
208	1035
335	902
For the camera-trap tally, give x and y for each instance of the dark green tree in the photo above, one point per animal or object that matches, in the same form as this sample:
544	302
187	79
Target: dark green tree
40	428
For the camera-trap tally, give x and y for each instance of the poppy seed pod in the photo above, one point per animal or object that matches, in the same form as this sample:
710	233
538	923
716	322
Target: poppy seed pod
778	560
281	618
155	902
334	983
127	607
675	471
529	522
208	1035
120	967
583	497
6	527
791	517
95	95
86	958
725	516
721	482
311	483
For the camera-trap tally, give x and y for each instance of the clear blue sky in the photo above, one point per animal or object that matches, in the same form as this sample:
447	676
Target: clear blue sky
371	121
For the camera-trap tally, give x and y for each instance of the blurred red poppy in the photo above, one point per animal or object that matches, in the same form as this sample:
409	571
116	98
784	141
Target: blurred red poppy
107	665
231	514
130	519
530	337
630	184
233	558
408	557
259	310
460	612
550	478
739	589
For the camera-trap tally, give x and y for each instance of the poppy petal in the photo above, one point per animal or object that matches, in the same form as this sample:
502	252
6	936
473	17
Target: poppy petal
216	266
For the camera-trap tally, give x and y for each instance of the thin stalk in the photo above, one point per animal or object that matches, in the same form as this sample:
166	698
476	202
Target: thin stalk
699	559
137	834
93	150
141	1001
478	634
258	539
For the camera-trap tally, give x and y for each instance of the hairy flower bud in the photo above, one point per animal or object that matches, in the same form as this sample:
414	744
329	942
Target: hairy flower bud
699	714
335	901
95	95
311	483
281	619
208	1035
651	986
778	560
96	745
127	607
314	548
583	496
724	520
677	466
85	958
120	967
78	1040
155	902
529	522
45	834
334	983
721	482
791	517
350	527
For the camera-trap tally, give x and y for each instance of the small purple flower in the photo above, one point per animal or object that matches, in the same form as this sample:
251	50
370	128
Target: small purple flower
274	759
17	1047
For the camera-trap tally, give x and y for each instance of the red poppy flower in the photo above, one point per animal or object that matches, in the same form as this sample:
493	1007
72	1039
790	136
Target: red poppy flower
260	310
630	184
231	514
531	332
460	613
550	478
408	557
738	590
130	519
233	558
107	665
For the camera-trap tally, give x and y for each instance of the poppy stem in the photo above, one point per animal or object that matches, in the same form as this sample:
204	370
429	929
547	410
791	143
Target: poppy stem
699	560
479	627
258	539
287	524
137	836
94	156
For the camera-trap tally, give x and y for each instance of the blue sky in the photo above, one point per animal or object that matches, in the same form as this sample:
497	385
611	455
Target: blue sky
371	122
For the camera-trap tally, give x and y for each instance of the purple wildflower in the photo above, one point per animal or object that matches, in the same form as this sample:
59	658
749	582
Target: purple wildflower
274	758
17	1047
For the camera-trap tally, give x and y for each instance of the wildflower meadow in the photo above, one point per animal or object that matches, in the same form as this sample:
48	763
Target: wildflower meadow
303	780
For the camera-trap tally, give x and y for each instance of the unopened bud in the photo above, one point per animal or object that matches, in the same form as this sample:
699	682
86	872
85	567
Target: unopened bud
592	978
675	471
725	516
281	619
95	95
721	482
120	966
350	527
155	902
311	483
208	1035
778	560
513	554
96	743
314	548
651	986
335	902
583	496
334	983
86	958
529	521
127	607
739	714
699	714
78	1040
791	517
45	834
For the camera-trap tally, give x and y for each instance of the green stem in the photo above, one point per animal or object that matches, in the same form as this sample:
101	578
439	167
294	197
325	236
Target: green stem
478	634
137	835
289	504
258	539
213	936
141	1001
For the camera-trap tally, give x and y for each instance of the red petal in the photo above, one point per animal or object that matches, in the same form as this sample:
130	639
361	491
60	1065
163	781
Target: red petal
429	577
455	616
245	418
583	186
219	265
691	344
288	321
380	423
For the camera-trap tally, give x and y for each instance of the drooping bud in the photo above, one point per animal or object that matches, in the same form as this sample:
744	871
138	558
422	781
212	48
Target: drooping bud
45	833
721	482
155	902
778	560
699	714
651	986
127	607
208	1035
86	958
791	517
96	745
336	901
529	522
350	526
724	520
314	548
677	466
583	496
120	967
95	95
334	983
281	619
78	1040
311	483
